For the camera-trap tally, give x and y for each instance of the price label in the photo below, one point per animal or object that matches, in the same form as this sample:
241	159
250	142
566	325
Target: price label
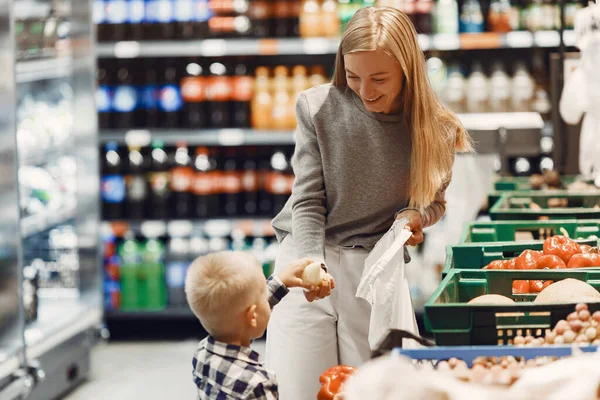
519	39
231	137
317	46
487	40
424	42
138	138
547	38
446	41
213	47
127	49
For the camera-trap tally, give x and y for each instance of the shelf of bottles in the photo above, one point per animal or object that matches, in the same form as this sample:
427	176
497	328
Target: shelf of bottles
197	115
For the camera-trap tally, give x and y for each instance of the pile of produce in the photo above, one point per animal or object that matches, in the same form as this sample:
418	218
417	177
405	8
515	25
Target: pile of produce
559	252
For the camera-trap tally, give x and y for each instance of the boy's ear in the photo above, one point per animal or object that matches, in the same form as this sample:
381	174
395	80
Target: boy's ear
251	316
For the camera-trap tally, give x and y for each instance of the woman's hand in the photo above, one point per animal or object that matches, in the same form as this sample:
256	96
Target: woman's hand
323	290
292	275
415	224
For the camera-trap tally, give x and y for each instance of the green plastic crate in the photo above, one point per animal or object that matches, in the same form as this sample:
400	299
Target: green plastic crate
478	255
509	231
521	184
515	206
453	322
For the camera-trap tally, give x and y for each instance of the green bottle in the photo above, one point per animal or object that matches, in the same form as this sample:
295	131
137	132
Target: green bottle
130	254
346	10
151	274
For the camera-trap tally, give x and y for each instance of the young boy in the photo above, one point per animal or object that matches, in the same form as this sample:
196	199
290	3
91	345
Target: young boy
226	291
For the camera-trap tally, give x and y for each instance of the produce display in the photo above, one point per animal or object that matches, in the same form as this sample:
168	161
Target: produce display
559	252
550	180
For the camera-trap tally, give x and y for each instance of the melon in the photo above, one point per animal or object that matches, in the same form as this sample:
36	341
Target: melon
494	299
568	291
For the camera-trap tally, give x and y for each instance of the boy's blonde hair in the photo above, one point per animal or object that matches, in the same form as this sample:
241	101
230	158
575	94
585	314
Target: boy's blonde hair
436	131
220	286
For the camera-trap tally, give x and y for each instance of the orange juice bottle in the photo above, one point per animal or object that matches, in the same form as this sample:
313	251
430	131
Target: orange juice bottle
310	19
281	98
262	101
330	21
299	84
317	76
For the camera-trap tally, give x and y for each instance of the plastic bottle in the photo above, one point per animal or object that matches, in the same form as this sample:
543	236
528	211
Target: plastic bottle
281	98
182	176
455	92
130	254
522	90
151	275
499	89
471	17
310	19
477	90
177	264
136	184
112	183
446	17
262	101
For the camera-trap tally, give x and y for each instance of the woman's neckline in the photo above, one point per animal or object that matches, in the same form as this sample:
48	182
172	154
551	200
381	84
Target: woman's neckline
395	117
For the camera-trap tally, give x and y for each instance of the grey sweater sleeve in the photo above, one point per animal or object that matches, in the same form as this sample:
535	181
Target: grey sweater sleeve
308	193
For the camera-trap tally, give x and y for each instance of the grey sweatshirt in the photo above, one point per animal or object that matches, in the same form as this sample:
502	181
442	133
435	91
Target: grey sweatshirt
352	171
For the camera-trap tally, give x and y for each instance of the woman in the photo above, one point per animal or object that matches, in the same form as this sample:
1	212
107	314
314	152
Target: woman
372	146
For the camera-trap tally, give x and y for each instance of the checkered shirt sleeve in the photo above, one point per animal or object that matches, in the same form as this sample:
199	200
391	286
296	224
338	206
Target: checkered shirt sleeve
277	290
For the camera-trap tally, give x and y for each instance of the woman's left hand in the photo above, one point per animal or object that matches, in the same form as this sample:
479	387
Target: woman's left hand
415	224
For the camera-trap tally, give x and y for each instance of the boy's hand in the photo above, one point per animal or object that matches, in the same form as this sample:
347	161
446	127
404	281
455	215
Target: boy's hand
323	290
292	275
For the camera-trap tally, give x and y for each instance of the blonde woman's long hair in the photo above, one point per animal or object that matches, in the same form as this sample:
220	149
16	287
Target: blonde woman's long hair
436	131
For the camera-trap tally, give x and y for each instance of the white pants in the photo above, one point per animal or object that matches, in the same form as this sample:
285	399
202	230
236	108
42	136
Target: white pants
305	339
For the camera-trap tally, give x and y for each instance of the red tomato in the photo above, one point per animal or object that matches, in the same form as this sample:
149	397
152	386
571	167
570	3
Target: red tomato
332	381
550	262
538	286
527	259
520	287
497	264
584	260
585	248
562	247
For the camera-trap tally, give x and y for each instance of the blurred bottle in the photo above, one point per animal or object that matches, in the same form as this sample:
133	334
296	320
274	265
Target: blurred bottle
438	75
230	26
242	90
136	184
125	98
522	88
193	91
231	184
104	94
477	90
410	8
113	183
158	178
177	264
250	181
130	254
169	97
205	190
499	89
149	25
471	17
550	15
116	14
424	16
136	16
184	19
299	84
265	198
98	19
262	101
165	19
294	17
281	98
259	12
278	184
151	274
218	94
317	76
330	21
202	15
280	24
500	16
533	16
149	92
446	19
456	89
182	177
310	19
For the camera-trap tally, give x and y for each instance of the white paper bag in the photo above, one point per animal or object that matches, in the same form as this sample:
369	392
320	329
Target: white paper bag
384	286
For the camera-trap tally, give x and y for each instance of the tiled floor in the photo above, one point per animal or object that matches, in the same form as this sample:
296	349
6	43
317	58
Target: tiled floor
141	370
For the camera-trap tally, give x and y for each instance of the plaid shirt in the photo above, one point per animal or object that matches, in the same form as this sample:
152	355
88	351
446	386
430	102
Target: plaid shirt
223	371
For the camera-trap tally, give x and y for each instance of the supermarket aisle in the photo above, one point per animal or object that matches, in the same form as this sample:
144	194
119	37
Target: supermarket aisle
141	370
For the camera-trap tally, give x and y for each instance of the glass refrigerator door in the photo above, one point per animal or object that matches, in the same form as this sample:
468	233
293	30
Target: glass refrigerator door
58	183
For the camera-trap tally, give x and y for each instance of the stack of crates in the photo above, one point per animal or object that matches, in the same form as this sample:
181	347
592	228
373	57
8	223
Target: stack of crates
521	219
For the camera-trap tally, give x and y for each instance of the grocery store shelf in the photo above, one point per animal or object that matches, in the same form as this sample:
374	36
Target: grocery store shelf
45	220
58	321
45	68
208	137
218	227
287	46
168	313
495	121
